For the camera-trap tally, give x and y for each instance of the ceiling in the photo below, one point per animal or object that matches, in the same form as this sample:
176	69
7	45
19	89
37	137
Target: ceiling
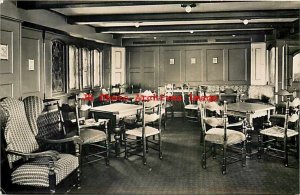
140	19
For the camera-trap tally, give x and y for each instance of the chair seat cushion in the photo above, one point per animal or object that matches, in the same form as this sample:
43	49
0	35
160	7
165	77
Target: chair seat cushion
214	121
191	107
138	132
89	136
169	104
35	173
277	131
216	135
130	119
151	118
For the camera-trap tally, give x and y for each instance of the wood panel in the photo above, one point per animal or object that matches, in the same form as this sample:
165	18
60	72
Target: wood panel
258	64
193	65
142	66
172	65
149	78
237	64
32	76
215	65
10	67
7	90
118	68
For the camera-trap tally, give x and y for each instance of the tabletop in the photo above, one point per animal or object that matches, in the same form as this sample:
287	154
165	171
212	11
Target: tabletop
116	108
130	95
249	107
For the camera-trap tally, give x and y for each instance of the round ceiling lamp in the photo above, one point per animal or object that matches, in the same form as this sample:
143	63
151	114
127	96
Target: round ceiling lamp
188	7
245	21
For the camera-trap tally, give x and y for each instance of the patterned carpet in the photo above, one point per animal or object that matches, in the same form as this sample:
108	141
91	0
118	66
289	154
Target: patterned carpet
180	171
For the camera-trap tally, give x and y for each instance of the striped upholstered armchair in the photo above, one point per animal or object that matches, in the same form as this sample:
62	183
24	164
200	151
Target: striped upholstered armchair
29	164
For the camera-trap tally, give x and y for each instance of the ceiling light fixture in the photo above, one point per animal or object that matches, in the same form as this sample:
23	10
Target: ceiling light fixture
245	21
188	7
137	24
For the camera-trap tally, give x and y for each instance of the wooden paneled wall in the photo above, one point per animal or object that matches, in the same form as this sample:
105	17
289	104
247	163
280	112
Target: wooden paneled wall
196	64
28	68
32	66
10	69
143	66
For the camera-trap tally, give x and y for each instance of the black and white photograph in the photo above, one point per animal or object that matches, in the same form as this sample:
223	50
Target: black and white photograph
163	97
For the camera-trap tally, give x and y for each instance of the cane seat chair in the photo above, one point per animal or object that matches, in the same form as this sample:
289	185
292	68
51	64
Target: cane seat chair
219	135
281	134
29	163
143	133
191	108
88	131
169	94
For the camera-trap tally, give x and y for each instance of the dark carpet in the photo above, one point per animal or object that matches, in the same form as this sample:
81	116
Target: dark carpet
180	171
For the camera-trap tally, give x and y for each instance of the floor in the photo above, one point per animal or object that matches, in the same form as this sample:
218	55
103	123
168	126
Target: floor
180	171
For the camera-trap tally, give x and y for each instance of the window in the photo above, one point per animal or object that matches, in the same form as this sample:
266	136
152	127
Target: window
97	73
86	68
296	67
58	67
73	68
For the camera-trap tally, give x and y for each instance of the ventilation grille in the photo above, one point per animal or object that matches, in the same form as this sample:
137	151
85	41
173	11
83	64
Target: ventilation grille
233	40
148	42
191	41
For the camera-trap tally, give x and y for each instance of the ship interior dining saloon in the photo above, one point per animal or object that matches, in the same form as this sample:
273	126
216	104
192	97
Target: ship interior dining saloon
150	97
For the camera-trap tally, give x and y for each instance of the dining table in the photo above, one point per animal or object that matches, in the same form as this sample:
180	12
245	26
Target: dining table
115	112
250	111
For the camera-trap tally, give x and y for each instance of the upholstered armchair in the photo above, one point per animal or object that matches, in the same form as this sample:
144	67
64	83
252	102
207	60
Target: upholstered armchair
29	163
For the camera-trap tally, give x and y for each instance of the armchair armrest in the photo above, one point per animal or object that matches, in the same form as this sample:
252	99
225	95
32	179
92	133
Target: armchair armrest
74	139
53	155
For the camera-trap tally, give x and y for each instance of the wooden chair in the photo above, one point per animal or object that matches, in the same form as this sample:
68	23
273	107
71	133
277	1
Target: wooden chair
190	107
143	133
229	95
169	93
281	134
88	131
29	163
219	135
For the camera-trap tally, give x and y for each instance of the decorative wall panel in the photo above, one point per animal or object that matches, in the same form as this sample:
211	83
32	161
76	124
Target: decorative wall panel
73	68
86	68
31	66
237	64
10	62
58	67
214	65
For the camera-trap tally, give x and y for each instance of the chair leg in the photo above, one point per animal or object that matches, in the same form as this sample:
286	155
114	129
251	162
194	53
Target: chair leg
52	177
107	152
286	158
260	145
165	120
159	146
172	112
213	151
224	160
144	151
78	153
244	154
147	148
126	154
204	155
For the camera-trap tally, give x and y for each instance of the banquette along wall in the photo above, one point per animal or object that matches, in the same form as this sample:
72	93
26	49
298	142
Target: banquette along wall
151	66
